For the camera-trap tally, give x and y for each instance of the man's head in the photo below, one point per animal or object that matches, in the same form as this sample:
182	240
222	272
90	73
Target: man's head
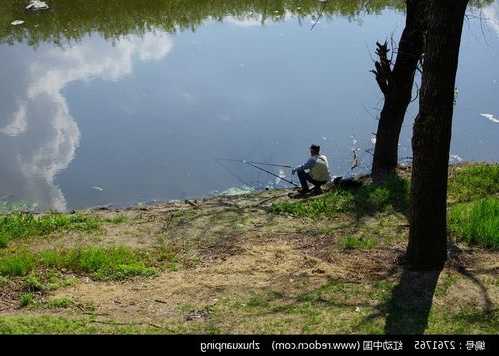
315	150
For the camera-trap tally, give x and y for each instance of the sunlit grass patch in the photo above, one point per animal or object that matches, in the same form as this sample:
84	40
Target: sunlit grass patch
335	307
473	182
465	320
47	324
44	325
476	222
103	263
19	264
331	292
22	225
46	280
358	242
114	263
329	204
59	303
33	283
26	299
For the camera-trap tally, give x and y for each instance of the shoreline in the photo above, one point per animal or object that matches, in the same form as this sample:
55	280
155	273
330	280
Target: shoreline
260	263
366	177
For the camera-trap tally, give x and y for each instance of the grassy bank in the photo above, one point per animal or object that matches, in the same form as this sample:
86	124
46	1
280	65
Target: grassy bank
473	203
101	263
260	263
21	225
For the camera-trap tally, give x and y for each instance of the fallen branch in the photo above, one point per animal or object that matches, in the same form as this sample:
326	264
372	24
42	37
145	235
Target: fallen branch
193	204
270	199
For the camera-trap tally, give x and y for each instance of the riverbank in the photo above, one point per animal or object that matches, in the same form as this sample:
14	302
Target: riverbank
258	263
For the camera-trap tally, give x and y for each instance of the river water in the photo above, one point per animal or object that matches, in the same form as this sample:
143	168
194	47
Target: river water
131	111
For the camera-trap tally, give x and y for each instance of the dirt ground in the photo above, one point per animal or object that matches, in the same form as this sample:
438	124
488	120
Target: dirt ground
241	269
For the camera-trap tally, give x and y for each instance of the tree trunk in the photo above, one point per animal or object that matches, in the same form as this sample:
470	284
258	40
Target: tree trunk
396	86
427	247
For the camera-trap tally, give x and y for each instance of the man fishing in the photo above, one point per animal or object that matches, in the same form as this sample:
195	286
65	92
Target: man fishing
314	171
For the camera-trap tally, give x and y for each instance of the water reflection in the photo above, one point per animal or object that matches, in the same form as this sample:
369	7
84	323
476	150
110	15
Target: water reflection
491	14
40	134
120	119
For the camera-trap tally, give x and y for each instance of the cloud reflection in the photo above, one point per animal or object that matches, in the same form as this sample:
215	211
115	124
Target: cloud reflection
491	13
38	135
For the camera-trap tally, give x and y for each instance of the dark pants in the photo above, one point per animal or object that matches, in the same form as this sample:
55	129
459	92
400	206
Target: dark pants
306	178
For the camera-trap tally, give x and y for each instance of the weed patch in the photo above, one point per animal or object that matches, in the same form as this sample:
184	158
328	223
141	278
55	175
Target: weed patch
474	182
23	225
59	303
477	222
115	263
26	299
356	242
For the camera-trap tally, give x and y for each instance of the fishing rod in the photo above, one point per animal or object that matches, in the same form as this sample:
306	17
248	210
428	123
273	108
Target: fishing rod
254	165
253	162
272	174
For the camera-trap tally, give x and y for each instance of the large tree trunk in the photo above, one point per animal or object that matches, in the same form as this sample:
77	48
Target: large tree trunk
427	247
396	86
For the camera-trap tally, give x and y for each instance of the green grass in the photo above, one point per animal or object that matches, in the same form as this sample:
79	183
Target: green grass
44	325
464	321
474	182
115	263
477	222
26	299
468	183
332	291
46	281
446	282
354	242
335	307
23	225
348	307
329	204
393	194
33	283
19	225
59	303
19	264
55	325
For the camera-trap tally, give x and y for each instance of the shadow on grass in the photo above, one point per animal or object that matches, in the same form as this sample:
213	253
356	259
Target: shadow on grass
366	200
456	262
372	198
408	309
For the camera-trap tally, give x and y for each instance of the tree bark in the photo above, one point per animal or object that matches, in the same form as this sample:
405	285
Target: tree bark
427	248
396	86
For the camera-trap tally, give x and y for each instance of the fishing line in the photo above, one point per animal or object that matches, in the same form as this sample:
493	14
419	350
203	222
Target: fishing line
253	162
235	176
